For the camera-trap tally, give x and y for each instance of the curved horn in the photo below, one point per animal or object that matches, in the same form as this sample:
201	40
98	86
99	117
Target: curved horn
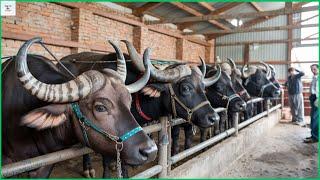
136	86
134	56
167	75
267	69
121	62
271	67
203	67
211	80
70	91
232	64
243	71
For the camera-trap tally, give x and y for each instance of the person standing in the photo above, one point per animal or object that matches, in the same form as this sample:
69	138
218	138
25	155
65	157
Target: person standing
314	90
296	103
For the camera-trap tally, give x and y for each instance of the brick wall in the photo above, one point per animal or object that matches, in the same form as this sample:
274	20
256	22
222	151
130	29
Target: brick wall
87	30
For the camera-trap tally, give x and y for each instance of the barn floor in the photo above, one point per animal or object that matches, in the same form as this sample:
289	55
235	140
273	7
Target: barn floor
281	153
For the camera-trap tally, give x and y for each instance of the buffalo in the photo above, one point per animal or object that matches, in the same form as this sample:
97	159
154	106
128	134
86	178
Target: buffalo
46	111
177	90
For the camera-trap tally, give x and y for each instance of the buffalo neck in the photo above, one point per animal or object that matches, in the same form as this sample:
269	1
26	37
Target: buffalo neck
151	107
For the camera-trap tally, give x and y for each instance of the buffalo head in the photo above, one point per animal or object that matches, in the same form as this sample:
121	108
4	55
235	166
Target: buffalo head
183	90
257	81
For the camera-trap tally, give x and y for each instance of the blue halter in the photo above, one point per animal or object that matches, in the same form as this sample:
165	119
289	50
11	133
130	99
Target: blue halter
85	123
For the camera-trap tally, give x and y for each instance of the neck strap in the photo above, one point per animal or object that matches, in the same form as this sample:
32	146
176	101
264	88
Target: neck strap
86	123
189	111
139	109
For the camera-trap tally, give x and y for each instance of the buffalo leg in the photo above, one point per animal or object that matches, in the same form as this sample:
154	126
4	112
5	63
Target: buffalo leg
188	134
106	161
42	172
88	171
175	139
203	134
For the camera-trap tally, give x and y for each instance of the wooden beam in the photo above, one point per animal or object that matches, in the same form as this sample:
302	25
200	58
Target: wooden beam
246	53
146	7
243	30
288	5
307	19
196	13
312	35
232	16
133	22
215	12
262	19
257	8
207	6
266	41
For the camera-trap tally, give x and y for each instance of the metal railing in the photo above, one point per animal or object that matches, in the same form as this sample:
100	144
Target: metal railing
165	159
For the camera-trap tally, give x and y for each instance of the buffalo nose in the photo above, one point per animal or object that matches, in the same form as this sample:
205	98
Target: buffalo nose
149	152
243	106
277	93
213	118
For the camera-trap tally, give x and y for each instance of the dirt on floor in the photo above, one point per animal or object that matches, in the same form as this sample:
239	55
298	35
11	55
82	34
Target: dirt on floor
280	153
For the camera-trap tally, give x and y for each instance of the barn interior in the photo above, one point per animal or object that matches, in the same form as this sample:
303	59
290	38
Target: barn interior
281	34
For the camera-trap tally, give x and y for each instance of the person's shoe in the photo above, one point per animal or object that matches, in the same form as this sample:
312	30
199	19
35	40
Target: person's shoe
308	137
310	140
302	124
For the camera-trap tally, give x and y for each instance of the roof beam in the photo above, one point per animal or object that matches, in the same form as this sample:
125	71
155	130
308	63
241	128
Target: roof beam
206	5
198	14
232	16
243	30
146	7
267	41
215	12
257	8
261	19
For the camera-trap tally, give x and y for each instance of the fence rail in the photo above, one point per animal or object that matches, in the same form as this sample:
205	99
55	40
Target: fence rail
165	159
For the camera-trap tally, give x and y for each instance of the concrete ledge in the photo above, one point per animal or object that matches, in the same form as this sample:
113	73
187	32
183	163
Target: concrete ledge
216	159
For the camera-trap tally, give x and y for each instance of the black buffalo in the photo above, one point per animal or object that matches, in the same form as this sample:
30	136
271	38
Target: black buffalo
177	90
38	116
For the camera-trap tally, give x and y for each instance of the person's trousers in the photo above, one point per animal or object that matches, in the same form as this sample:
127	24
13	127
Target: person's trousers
297	107
314	124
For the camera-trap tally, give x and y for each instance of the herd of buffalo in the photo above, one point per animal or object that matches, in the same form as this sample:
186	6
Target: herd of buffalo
115	95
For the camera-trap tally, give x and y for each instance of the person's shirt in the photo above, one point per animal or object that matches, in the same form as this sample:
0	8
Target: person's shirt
314	89
294	83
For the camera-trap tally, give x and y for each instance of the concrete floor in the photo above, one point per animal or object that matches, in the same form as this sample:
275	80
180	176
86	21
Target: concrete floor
280	153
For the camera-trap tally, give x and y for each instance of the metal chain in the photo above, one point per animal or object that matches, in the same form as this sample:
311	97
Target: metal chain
119	169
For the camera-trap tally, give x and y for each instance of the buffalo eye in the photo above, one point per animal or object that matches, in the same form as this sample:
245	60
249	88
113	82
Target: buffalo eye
185	89
100	108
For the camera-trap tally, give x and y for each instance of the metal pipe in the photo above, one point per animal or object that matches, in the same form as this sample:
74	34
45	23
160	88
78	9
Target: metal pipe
152	128
254	100
163	146
177	121
174	159
235	118
220	109
251	120
44	160
51	158
149	172
199	147
169	148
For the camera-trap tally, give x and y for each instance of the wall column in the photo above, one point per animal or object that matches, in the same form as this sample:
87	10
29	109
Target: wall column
209	52
180	48
140	34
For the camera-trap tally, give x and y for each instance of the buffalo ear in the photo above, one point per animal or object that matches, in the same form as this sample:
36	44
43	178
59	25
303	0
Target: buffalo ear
45	117
153	90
